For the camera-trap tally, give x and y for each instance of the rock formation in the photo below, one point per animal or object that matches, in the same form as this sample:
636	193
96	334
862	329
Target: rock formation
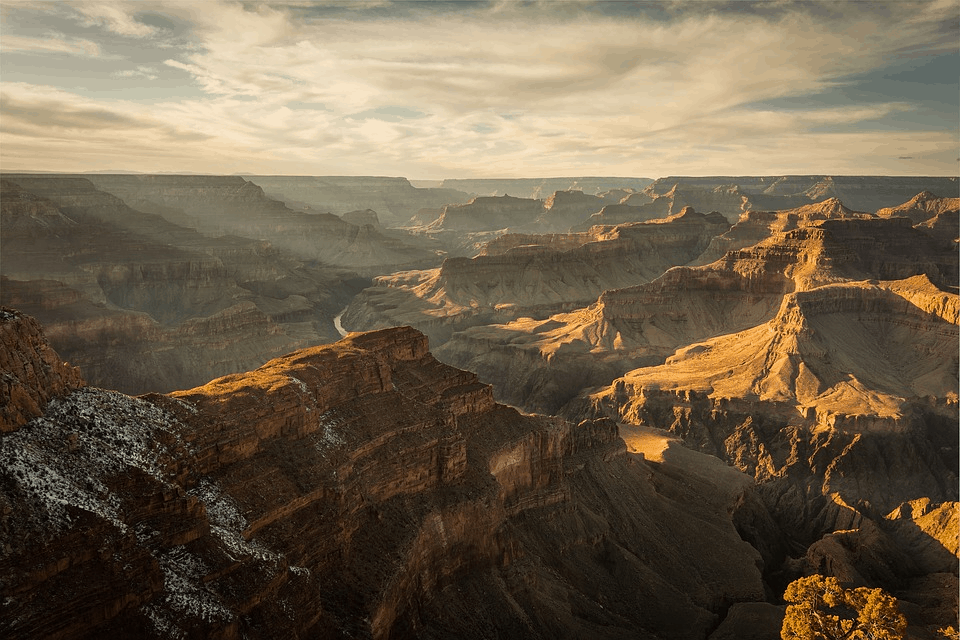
542	364
541	188
143	304
362	217
360	489
531	275
230	205
755	226
488	214
31	373
844	409
394	199
922	207
861	193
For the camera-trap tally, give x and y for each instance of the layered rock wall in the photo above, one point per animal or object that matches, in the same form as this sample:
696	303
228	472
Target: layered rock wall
359	489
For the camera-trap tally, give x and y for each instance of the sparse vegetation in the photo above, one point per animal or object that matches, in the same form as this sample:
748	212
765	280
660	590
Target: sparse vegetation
821	609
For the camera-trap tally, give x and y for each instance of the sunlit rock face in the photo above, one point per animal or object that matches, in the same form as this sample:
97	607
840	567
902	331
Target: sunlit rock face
531	275
923	207
358	489
540	364
844	409
32	372
143	304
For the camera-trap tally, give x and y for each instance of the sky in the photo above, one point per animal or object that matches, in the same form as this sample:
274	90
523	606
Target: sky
432	90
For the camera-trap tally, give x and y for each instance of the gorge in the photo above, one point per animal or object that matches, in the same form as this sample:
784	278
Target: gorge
332	407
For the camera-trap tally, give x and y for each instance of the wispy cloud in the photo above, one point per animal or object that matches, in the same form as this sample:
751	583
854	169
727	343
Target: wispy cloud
522	89
51	44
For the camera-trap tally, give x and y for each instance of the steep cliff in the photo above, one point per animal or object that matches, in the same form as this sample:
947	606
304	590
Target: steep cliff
221	205
395	199
755	226
31	373
143	304
530	275
541	188
861	193
356	490
844	409
541	364
488	214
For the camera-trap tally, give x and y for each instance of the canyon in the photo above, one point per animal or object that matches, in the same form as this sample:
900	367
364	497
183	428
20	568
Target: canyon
578	407
356	489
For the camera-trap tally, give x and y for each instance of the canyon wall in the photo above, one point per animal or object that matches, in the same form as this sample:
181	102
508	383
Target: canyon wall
360	489
143	304
531	275
861	193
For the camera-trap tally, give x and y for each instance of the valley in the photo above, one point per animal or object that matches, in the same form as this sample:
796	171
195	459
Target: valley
599	407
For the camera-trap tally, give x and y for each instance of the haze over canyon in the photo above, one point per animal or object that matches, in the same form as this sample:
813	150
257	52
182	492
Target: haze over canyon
599	407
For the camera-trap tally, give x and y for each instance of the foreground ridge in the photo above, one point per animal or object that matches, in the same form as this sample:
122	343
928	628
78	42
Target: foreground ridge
361	489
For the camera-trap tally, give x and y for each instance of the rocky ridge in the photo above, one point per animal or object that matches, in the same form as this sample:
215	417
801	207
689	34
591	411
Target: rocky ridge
230	205
361	489
548	361
144	304
844	409
531	275
860	193
395	199
541	188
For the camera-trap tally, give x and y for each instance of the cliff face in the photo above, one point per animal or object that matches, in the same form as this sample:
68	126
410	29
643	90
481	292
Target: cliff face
756	226
541	188
32	373
395	199
548	360
357	490
861	193
143	304
923	207
488	214
221	205
844	409
530	275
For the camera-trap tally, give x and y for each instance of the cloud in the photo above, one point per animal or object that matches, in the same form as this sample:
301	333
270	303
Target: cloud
142	71
52	44
116	17
516	88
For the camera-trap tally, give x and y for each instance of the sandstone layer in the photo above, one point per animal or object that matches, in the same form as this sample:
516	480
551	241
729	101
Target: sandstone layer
395	199
143	304
531	275
542	364
360	489
541	188
861	193
230	205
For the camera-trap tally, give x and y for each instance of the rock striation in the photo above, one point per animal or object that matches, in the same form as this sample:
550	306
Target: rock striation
531	275
360	489
861	193
395	199
844	409
32	373
230	205
143	304
541	188
542	364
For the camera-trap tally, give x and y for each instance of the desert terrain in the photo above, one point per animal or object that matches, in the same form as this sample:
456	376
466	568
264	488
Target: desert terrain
328	407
